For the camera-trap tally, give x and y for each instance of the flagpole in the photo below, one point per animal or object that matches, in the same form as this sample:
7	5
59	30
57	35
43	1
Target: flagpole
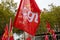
9	30
9	27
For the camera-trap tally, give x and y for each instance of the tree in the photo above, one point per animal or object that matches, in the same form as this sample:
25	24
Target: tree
53	16
6	13
7	9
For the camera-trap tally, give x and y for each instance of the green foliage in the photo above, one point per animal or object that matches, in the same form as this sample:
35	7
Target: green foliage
7	10
53	17
5	14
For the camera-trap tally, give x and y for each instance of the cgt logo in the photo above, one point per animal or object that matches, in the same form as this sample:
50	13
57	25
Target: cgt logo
29	15
32	17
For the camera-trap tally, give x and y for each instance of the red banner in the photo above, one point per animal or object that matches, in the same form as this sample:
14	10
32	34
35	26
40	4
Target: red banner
53	34
28	16
51	30
5	35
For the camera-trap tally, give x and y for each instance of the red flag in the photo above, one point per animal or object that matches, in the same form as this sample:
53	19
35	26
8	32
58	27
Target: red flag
10	31
53	34
28	16
48	26
46	37
51	31
5	35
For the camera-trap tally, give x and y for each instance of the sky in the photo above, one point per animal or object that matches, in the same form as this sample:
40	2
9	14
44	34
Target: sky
44	3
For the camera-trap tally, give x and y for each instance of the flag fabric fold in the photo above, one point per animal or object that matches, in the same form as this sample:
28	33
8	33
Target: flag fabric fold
28	16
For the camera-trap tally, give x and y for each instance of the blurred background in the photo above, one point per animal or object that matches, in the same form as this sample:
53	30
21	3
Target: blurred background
50	10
